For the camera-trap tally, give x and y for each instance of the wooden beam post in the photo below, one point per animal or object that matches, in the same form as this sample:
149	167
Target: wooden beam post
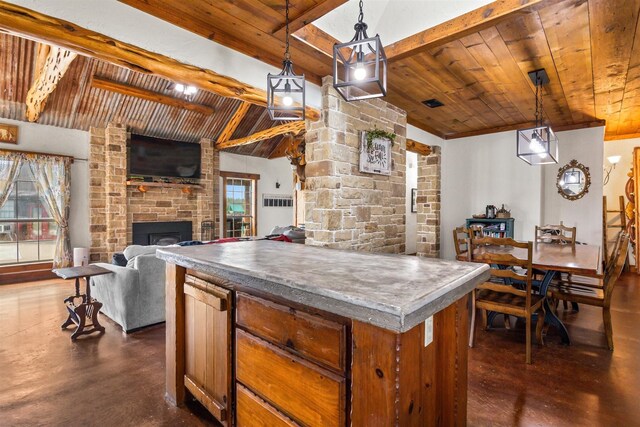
308	16
519	126
175	338
52	63
418	147
291	127
234	122
39	27
125	89
458	27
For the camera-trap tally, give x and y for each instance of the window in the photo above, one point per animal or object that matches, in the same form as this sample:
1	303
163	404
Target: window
27	230
239	204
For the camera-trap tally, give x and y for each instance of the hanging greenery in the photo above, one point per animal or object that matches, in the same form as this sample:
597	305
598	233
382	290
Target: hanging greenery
378	133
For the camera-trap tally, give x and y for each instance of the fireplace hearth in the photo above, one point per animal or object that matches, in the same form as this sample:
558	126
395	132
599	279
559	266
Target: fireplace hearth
161	233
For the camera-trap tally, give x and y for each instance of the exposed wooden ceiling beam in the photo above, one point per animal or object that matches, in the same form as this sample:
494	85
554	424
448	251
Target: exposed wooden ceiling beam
418	147
458	27
317	39
291	127
280	150
125	89
52	63
619	137
585	125
234	122
309	15
39	27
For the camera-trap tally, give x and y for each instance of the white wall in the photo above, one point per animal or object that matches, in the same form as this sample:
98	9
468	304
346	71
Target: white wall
270	171
484	170
54	140
585	146
412	182
411	217
618	177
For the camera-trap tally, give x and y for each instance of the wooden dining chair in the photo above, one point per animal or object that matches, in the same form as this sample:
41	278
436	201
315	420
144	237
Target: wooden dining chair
498	294
460	238
596	295
559	234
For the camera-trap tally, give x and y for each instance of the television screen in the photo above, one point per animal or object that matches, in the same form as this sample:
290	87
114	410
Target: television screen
155	157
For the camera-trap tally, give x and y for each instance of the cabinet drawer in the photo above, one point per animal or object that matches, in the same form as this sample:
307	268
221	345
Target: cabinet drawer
302	390
254	412
311	336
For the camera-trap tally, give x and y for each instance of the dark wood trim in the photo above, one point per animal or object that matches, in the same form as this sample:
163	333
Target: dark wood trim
39	153
242	175
20	273
584	125
418	147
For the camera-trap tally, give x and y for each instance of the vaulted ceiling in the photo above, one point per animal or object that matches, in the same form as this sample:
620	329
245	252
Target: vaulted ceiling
476	64
79	103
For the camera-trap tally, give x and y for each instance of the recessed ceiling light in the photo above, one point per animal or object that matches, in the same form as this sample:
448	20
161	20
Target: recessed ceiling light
433	103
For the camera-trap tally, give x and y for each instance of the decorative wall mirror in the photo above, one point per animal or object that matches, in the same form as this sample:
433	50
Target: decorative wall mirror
573	180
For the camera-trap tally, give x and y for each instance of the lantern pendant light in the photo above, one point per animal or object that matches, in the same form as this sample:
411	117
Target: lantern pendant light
360	65
286	90
538	145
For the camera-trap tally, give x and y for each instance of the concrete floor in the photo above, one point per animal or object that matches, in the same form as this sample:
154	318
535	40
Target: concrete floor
118	380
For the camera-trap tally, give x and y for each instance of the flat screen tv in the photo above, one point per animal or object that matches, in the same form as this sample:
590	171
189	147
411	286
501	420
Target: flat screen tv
155	157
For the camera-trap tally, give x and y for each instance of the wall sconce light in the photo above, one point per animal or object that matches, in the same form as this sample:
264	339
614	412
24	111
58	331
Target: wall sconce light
277	184
614	160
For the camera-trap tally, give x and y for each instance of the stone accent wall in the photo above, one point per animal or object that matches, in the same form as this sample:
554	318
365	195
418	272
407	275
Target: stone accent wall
428	204
344	208
115	206
98	195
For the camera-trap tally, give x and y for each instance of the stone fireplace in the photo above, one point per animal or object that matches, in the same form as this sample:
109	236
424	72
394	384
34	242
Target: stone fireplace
161	233
116	206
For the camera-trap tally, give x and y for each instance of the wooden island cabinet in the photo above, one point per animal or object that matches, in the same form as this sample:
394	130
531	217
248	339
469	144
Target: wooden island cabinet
275	334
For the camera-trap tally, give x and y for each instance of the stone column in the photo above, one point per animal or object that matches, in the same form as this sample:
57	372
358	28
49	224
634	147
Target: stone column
97	196
428	204
207	197
345	208
116	187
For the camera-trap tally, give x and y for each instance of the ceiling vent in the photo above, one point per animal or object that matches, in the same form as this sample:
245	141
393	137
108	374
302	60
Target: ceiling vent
432	103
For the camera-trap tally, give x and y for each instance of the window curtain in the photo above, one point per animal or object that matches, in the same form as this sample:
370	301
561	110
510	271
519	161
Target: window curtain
52	176
9	168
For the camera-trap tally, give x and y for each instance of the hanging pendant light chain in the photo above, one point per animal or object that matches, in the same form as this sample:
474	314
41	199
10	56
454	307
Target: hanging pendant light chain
287	56
361	15
538	103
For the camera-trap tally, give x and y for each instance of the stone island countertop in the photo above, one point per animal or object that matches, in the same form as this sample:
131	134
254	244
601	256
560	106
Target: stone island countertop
395	292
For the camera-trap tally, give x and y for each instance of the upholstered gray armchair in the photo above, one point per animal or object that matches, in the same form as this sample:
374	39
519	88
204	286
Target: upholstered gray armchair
133	296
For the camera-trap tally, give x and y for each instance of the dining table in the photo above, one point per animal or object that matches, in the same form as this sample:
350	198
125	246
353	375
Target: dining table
554	258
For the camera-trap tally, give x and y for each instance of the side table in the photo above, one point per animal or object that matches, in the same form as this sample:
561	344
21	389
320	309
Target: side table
83	310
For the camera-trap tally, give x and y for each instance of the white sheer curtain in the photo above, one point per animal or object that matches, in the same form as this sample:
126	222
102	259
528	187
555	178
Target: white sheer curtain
9	168
52	174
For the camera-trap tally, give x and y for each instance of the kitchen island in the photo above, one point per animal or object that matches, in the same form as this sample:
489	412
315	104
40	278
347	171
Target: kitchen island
270	333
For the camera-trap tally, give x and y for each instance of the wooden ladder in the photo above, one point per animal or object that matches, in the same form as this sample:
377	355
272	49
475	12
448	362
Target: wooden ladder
622	224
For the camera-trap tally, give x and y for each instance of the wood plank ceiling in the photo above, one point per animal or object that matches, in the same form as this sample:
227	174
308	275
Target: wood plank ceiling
77	104
478	69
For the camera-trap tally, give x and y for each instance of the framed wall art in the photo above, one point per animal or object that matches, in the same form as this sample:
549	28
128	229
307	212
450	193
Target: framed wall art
375	156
